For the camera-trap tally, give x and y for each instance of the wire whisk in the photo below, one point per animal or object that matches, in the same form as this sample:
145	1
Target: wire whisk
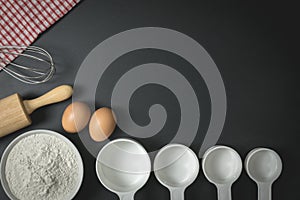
22	67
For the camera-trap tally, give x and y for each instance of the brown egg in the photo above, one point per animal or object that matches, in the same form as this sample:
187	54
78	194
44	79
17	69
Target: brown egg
75	117
102	124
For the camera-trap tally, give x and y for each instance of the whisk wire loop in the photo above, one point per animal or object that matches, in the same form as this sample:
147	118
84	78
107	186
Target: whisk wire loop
21	71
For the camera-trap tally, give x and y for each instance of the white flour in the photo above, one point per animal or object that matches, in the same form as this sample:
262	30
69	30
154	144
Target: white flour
41	167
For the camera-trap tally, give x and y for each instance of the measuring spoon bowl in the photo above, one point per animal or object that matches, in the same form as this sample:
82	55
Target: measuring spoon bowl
123	167
176	167
222	166
263	166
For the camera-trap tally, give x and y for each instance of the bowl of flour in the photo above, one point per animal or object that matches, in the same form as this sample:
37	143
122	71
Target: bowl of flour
41	164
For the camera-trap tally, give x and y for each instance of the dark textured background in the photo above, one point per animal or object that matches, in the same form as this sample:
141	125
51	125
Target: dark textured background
253	43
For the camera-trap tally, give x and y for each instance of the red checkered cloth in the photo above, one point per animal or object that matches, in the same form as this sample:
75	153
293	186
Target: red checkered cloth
21	21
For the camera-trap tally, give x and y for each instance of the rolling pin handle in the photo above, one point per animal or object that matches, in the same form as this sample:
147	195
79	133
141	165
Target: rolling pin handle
58	94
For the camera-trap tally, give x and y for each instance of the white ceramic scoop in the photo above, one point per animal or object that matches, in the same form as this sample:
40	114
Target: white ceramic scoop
123	167
222	166
176	167
263	166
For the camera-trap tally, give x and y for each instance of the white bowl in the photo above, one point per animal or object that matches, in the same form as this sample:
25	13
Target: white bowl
52	133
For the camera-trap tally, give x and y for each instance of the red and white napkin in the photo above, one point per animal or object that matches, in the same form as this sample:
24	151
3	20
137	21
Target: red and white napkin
21	21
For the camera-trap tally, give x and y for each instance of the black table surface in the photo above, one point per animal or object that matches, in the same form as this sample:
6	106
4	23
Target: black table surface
254	45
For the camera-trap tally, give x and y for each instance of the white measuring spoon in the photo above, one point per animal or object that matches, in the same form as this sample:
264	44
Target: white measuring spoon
176	167
123	167
263	166
222	166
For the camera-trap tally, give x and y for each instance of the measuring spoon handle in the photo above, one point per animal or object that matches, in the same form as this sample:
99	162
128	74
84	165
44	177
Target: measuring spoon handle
126	196
264	191
224	192
177	193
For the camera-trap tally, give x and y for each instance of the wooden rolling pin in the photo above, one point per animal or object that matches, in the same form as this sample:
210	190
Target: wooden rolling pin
14	112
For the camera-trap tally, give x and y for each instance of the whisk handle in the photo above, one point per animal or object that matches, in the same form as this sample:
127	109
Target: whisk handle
56	95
